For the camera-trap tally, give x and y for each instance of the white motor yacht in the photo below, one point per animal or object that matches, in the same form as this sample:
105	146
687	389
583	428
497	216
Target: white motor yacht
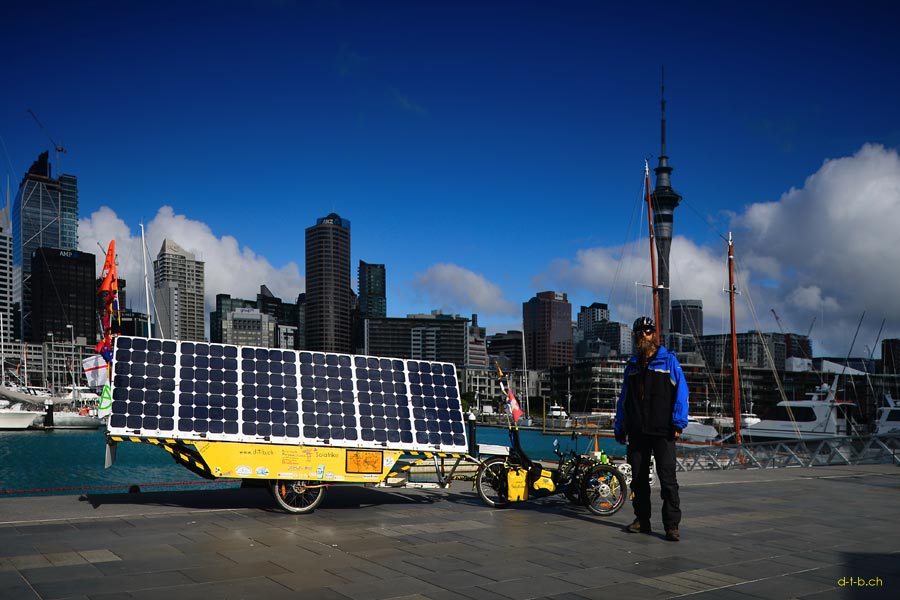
888	422
819	417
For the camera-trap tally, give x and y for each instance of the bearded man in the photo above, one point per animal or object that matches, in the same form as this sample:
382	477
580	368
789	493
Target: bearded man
651	412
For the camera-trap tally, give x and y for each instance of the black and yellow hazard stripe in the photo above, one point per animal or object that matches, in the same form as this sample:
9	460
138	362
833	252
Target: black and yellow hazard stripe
182	454
426	456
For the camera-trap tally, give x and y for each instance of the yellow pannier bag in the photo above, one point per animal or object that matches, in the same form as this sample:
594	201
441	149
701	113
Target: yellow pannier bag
545	481
516	484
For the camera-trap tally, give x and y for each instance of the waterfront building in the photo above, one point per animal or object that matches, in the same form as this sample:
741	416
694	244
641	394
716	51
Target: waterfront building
590	316
178	293
547	320
225	305
328	291
435	337
618	336
505	349
797	345
44	215
249	327
890	357
64	292
476	350
283	315
664	200
755	349
687	317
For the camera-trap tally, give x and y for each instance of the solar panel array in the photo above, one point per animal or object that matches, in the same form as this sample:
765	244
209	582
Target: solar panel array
196	390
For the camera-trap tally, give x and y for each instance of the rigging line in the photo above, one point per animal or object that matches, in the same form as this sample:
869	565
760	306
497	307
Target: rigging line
626	246
12	169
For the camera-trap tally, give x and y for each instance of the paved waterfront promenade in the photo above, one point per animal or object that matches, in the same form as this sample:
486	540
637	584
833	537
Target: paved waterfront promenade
777	533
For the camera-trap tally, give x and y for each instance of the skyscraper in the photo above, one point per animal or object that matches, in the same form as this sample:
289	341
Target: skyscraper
6	280
548	330
328	292
687	317
64	294
665	199
45	215
178	288
372	292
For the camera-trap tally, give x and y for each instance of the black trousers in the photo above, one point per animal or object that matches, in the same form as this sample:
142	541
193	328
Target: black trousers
640	448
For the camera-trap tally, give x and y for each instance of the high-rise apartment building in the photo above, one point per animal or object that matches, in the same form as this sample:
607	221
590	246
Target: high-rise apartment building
63	292
547	320
372	290
590	316
44	215
6	281
687	317
178	292
328	292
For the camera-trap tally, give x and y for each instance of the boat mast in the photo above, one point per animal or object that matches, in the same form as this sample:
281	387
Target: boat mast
652	253
734	353
146	280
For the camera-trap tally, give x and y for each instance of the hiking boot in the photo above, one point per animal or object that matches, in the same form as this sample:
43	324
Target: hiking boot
638	526
672	535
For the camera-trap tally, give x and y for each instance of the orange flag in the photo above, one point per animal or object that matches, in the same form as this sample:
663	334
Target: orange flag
110	281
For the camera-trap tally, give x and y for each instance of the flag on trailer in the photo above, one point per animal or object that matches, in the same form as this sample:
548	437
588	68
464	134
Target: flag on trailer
109	286
96	370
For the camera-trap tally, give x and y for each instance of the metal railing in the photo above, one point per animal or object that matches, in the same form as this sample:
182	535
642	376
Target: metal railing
856	450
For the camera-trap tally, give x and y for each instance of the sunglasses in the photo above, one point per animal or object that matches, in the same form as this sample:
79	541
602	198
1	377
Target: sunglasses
645	332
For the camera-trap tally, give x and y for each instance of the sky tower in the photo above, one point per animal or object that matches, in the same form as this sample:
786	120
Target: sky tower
665	199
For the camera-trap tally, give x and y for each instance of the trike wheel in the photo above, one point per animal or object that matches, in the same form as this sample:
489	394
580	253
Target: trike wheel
604	490
297	496
625	469
490	482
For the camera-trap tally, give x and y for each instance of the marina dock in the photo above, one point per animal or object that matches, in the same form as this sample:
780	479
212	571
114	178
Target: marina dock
808	533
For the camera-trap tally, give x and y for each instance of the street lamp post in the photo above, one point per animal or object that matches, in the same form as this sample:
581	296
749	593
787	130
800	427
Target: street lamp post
72	366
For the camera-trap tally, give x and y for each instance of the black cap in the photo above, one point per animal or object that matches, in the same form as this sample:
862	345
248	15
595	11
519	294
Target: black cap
643	324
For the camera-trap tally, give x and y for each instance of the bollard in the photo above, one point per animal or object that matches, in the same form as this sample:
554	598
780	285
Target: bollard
472	445
48	416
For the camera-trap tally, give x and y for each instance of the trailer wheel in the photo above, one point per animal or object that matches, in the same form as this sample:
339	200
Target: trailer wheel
297	496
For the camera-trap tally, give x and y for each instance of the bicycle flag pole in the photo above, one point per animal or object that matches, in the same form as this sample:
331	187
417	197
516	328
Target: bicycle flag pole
511	402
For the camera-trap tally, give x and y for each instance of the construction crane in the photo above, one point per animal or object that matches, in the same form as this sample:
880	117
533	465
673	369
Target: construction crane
778	320
56	147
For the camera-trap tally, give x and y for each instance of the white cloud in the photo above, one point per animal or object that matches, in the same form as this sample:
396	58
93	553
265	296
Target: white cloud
826	251
455	289
229	269
835	243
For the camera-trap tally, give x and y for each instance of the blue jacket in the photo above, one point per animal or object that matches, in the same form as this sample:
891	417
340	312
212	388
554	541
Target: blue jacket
655	404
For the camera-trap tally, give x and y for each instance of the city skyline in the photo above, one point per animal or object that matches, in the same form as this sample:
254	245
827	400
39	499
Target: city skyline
484	153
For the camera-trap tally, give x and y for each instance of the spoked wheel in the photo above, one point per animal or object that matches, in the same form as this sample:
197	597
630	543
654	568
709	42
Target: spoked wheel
490	482
568	476
297	496
625	469
604	490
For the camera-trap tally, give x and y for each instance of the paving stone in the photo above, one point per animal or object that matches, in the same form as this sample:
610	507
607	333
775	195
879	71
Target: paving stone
778	533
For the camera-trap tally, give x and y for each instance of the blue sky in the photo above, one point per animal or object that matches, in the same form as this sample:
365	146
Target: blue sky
484	151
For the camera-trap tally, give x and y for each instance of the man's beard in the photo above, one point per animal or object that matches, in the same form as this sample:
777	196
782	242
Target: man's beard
646	345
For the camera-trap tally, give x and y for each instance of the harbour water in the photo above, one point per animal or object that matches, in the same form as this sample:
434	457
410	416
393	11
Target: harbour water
36	463
56	462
